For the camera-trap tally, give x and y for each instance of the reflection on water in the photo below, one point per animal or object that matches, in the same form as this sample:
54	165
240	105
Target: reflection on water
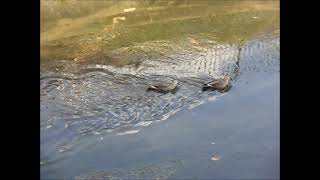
113	38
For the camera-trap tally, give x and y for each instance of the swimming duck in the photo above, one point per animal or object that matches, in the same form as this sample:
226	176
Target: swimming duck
164	87
218	84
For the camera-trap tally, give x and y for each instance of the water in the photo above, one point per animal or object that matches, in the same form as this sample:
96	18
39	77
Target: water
98	120
106	100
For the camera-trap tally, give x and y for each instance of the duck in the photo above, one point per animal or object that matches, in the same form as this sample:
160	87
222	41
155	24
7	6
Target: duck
164	87
221	85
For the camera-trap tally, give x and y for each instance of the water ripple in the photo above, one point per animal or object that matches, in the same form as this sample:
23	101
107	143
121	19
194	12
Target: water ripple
102	98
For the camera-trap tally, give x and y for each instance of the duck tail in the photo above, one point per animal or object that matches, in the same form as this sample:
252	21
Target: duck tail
150	87
207	87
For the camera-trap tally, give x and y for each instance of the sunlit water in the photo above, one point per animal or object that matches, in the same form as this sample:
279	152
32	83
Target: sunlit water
103	99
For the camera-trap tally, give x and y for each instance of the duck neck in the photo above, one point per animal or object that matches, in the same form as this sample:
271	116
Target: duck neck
173	85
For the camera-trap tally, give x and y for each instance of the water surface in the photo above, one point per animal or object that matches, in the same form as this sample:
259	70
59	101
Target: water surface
98	121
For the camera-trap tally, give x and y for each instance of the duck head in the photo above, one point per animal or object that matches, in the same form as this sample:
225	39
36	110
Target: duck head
175	82
227	78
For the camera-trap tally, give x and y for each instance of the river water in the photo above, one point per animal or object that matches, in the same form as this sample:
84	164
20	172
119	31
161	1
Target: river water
101	123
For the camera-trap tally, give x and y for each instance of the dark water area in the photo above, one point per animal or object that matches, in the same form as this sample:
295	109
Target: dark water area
99	122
